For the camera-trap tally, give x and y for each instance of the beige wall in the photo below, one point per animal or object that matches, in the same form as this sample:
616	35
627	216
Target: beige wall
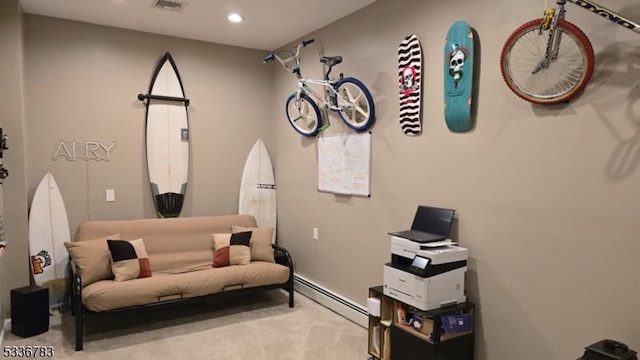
81	84
547	199
15	271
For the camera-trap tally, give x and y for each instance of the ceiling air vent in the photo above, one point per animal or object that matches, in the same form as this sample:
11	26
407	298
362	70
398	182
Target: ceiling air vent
172	5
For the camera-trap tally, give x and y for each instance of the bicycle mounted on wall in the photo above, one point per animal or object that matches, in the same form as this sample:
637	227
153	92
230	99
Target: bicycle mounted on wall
550	60
346	95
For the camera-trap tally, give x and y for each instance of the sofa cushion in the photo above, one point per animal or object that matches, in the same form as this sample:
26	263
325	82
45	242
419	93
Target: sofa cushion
174	245
108	294
231	249
261	249
129	259
92	258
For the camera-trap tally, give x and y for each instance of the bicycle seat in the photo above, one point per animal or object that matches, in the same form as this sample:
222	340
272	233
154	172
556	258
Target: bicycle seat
331	60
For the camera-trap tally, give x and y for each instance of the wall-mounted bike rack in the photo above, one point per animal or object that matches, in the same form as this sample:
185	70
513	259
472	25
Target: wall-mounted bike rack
143	97
3	146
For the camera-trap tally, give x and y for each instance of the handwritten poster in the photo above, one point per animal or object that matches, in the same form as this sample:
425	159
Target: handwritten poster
344	164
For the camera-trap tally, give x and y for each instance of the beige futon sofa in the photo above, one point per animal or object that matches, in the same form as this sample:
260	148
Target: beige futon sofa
124	265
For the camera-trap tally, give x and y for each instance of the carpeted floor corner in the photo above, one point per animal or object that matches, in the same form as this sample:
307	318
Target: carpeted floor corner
254	327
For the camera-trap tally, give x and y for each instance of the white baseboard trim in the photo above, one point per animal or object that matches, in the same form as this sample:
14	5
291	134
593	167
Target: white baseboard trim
329	299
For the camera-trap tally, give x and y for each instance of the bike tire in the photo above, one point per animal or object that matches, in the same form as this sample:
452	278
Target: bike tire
352	92
303	121
566	77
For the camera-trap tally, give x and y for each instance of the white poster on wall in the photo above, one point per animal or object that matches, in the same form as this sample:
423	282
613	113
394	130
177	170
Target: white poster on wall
344	164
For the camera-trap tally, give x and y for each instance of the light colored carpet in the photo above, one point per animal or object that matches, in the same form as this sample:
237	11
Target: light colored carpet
260	326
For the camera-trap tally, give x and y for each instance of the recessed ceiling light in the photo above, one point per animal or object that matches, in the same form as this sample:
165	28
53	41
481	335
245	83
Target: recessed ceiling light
234	18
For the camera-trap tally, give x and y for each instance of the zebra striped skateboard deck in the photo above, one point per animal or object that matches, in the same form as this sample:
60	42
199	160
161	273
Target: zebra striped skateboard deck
409	68
458	77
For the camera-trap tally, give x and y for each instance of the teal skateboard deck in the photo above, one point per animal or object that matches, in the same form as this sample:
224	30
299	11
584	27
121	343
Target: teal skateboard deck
458	77
409	69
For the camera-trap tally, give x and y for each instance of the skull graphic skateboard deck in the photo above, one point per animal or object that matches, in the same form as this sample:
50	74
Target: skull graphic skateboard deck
458	77
409	68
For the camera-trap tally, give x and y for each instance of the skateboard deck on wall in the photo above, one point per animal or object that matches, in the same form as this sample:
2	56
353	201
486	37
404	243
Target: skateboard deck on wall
458	77
409	69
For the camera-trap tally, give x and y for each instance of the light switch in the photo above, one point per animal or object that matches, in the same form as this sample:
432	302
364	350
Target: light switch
111	195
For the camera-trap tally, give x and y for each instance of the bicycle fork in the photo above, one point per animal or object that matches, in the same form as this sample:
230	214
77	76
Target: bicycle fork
304	89
299	104
550	22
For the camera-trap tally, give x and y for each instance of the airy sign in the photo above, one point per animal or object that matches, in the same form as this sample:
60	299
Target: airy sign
86	150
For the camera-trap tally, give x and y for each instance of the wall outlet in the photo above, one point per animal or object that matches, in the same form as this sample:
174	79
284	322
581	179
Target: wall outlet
315	233
110	195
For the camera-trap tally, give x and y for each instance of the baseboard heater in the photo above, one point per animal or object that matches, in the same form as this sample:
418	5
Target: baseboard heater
329	299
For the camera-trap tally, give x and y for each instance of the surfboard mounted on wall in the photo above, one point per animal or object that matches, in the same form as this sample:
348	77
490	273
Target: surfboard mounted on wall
258	188
48	231
167	138
409	70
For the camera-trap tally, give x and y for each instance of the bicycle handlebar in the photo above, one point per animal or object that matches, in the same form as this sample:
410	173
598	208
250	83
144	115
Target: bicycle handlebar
294	56
269	58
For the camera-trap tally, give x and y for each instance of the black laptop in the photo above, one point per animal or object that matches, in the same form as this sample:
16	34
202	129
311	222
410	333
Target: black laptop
430	224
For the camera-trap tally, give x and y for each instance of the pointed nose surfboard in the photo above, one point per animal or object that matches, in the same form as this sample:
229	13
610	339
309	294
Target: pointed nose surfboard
167	138
48	231
258	188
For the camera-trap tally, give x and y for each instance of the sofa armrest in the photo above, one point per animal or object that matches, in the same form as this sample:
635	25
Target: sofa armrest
75	276
282	256
76	287
75	272
76	302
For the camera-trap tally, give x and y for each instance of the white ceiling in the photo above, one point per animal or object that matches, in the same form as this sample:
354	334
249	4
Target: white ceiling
267	25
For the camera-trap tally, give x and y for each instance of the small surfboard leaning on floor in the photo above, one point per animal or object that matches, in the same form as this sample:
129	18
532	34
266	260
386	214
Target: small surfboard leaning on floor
258	188
410	79
48	231
458	77
167	138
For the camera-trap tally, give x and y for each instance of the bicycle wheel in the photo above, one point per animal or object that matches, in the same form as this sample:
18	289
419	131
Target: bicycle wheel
303	114
565	77
355	103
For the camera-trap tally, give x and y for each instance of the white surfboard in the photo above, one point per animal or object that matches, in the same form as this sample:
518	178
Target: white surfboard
167	138
48	231
258	188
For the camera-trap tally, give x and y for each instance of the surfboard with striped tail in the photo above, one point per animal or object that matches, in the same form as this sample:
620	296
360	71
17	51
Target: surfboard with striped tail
410	81
167	138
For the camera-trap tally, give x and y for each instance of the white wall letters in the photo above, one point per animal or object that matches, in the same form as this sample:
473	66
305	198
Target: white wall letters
85	150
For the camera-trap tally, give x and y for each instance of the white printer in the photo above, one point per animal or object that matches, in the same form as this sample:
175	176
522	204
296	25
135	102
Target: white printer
425	275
